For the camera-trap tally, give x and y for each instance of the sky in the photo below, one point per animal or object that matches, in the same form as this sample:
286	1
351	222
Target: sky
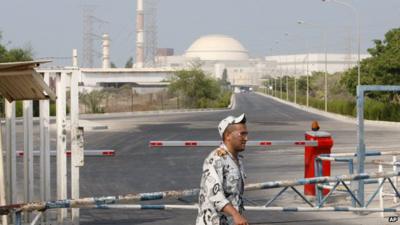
264	27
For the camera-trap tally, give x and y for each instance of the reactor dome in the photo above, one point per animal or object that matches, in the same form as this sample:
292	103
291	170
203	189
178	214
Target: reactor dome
217	48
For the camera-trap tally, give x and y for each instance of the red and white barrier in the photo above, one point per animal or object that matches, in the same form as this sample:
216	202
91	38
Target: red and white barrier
68	153
260	143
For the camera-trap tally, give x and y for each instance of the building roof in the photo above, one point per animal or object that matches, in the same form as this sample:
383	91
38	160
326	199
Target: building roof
20	81
217	48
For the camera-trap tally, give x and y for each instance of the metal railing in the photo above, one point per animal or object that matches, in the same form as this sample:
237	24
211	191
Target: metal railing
105	202
349	159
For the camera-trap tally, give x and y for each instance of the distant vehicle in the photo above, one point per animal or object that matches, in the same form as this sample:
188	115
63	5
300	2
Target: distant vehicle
243	89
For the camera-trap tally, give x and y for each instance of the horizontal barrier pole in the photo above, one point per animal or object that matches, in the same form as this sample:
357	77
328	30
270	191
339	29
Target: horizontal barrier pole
259	143
332	159
327	156
94	201
143	207
252	208
86	152
319	180
323	209
330	186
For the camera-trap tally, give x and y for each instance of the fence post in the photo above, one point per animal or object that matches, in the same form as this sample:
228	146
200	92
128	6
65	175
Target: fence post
11	178
76	144
61	144
295	90
395	179
361	144
28	153
4	219
45	184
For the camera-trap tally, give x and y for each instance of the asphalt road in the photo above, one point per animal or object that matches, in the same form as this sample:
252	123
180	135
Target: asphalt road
137	168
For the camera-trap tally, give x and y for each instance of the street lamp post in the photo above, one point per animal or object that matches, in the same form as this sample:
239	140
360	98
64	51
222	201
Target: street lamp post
308	79
360	188
357	15
287	88
326	73
287	80
295	83
326	60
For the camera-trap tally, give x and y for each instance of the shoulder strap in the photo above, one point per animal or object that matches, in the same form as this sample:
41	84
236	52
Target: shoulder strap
220	152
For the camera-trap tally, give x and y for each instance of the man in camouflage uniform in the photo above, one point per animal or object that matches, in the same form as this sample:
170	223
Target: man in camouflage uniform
222	182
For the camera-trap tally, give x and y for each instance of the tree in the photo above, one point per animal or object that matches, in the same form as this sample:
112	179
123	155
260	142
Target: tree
382	68
224	80
13	55
198	89
129	63
112	64
17	54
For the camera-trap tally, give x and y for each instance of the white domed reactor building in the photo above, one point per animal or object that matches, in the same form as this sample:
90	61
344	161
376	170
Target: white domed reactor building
217	53
217	48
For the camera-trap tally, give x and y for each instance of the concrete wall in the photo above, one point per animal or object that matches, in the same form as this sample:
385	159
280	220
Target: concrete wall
296	64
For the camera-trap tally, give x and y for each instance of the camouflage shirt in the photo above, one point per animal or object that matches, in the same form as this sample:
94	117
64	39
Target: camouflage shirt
222	182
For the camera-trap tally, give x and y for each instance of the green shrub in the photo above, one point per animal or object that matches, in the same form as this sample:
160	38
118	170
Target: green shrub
199	90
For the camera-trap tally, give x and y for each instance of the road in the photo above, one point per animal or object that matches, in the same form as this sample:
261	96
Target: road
137	168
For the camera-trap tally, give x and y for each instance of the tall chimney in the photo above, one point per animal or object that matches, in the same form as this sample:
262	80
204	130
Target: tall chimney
106	51
74	57
139	35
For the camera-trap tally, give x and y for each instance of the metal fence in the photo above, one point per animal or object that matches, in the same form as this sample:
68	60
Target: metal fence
126	99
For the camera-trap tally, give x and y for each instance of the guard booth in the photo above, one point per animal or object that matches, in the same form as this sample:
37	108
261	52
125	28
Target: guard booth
21	81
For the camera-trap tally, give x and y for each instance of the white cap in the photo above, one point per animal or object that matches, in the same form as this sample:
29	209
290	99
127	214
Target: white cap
228	121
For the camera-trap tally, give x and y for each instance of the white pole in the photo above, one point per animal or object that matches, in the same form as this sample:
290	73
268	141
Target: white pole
326	60
139	34
357	15
359	49
395	179
76	150
74	57
106	52
11	153
308	79
28	153
380	169
4	218
61	144
295	90
45	184
326	72
295	79
287	87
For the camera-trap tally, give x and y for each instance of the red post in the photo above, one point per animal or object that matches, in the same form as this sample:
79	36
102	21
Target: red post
325	143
